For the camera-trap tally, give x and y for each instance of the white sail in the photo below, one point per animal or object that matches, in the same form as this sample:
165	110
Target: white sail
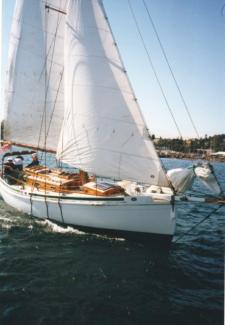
34	99
103	130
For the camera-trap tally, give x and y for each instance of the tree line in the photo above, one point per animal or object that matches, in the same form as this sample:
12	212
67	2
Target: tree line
214	143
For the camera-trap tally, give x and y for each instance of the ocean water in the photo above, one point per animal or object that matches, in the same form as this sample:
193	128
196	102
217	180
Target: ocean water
51	274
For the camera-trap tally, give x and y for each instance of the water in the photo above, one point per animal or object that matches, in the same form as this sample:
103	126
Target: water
57	275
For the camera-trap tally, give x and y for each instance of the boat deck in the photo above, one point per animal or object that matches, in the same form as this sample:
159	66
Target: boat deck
56	183
78	193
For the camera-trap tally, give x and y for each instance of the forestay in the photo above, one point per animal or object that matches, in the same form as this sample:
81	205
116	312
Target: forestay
34	99
103	130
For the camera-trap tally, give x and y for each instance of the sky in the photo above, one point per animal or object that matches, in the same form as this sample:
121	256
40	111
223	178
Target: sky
193	36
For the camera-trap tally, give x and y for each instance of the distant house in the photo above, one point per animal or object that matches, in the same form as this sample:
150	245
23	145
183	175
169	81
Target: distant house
218	154
207	152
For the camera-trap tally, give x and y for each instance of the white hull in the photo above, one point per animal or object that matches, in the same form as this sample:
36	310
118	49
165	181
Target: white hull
123	214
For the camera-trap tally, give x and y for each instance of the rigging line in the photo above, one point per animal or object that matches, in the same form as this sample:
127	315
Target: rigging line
162	167
171	71
61	74
153	69
59	203
121	60
46	57
197	224
45	108
222	10
57	92
216	178
49	49
31	204
61	212
43	120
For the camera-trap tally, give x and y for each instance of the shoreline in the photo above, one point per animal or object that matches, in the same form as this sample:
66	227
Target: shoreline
190	156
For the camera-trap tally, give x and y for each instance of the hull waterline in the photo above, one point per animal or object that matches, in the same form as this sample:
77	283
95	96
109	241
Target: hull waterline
116	215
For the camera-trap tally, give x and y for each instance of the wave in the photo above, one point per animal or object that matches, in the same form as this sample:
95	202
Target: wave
53	227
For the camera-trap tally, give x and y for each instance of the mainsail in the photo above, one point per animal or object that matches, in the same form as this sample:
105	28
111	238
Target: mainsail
34	99
103	129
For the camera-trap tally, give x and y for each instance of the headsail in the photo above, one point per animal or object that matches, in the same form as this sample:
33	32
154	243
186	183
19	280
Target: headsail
34	99
103	130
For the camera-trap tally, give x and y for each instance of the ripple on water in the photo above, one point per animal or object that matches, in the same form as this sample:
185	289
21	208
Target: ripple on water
50	274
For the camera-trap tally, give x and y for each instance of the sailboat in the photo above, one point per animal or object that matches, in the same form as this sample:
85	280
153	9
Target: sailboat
68	93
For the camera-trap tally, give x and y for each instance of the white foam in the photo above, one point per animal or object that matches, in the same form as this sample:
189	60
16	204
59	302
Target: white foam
6	226
53	227
110	238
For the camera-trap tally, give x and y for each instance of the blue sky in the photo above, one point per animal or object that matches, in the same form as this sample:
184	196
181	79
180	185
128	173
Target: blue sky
193	36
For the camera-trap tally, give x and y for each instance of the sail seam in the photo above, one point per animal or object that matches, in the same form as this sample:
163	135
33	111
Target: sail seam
117	152
112	119
99	57
40	56
57	93
105	87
